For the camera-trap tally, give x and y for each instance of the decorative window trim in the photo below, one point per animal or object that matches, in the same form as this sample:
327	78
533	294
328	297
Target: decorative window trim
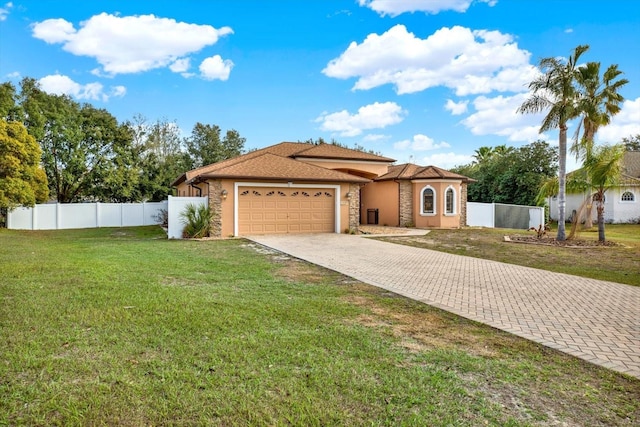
454	205
435	201
631	200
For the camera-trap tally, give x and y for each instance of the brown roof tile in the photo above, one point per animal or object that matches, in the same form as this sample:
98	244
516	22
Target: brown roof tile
331	151
285	150
272	166
631	163
410	171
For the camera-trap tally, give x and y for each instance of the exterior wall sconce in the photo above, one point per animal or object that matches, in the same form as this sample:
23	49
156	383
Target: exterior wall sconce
349	195
224	194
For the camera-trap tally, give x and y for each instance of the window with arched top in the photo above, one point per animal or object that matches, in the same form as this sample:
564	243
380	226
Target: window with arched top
449	201
628	196
428	199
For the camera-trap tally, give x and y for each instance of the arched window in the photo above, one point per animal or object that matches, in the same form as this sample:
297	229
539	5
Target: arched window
428	198
628	196
449	201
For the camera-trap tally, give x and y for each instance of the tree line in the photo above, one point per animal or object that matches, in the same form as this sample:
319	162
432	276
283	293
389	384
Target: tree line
509	175
54	148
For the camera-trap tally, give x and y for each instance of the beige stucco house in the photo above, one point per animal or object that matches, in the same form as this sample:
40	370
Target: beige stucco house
295	187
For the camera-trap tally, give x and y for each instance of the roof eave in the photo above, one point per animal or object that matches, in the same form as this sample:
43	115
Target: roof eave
355	179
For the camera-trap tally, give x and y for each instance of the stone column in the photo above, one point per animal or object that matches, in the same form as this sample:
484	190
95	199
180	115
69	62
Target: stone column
406	204
215	205
463	205
354	206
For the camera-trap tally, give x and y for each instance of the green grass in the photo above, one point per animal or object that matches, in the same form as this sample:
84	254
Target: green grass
620	263
123	327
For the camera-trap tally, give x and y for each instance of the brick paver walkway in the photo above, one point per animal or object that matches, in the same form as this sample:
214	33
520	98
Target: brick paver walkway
595	320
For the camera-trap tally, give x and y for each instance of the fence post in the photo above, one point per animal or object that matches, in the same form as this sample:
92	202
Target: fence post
97	214
58	219
493	214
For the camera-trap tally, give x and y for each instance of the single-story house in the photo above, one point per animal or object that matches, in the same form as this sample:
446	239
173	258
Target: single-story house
621	203
295	187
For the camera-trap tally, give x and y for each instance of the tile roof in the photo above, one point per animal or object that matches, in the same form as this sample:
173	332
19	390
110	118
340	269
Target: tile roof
272	166
287	150
331	151
631	164
410	171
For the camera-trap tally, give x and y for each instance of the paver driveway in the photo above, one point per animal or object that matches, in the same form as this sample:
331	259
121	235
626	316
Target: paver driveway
595	320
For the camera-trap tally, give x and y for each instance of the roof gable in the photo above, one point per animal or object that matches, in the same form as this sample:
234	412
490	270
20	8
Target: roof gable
409	171
285	150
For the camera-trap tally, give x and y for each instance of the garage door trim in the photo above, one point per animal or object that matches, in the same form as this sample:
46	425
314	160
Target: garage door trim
237	185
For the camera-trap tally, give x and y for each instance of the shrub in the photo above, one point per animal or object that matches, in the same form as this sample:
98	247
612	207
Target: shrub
162	218
197	221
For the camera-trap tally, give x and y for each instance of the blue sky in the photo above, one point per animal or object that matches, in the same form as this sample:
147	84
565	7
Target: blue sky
427	81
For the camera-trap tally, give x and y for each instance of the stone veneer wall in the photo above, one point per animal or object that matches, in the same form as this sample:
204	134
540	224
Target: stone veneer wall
406	204
215	205
463	205
354	206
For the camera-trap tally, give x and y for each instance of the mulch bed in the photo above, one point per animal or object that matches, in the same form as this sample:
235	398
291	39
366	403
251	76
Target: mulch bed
550	241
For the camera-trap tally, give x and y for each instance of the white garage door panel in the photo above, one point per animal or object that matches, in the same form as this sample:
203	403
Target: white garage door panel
266	210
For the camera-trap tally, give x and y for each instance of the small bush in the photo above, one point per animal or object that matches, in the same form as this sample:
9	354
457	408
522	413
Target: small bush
162	218
197	221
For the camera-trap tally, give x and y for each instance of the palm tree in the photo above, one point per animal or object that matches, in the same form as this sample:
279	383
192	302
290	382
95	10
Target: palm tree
602	169
483	154
554	90
599	101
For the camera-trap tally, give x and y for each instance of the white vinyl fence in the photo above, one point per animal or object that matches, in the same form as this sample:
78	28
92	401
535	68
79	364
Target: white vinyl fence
499	215
57	216
176	206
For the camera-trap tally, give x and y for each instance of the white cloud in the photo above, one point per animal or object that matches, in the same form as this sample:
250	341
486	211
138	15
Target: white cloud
446	160
63	85
373	116
129	44
456	108
467	61
397	7
420	142
499	116
14	75
624	124
216	68
180	65
4	11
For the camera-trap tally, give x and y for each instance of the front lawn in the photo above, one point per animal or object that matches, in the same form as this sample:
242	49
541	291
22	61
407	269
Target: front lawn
123	327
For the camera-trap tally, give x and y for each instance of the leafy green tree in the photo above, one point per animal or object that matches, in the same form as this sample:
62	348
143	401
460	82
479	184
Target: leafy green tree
555	91
86	154
22	181
206	147
9	108
631	143
161	157
511	175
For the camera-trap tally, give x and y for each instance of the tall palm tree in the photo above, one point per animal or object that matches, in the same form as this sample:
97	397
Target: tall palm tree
555	91
599	101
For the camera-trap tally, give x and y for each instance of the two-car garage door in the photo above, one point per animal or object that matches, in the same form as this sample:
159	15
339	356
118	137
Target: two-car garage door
273	210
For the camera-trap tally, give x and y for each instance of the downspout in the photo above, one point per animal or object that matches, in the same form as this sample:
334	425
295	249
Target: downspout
192	185
399	204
